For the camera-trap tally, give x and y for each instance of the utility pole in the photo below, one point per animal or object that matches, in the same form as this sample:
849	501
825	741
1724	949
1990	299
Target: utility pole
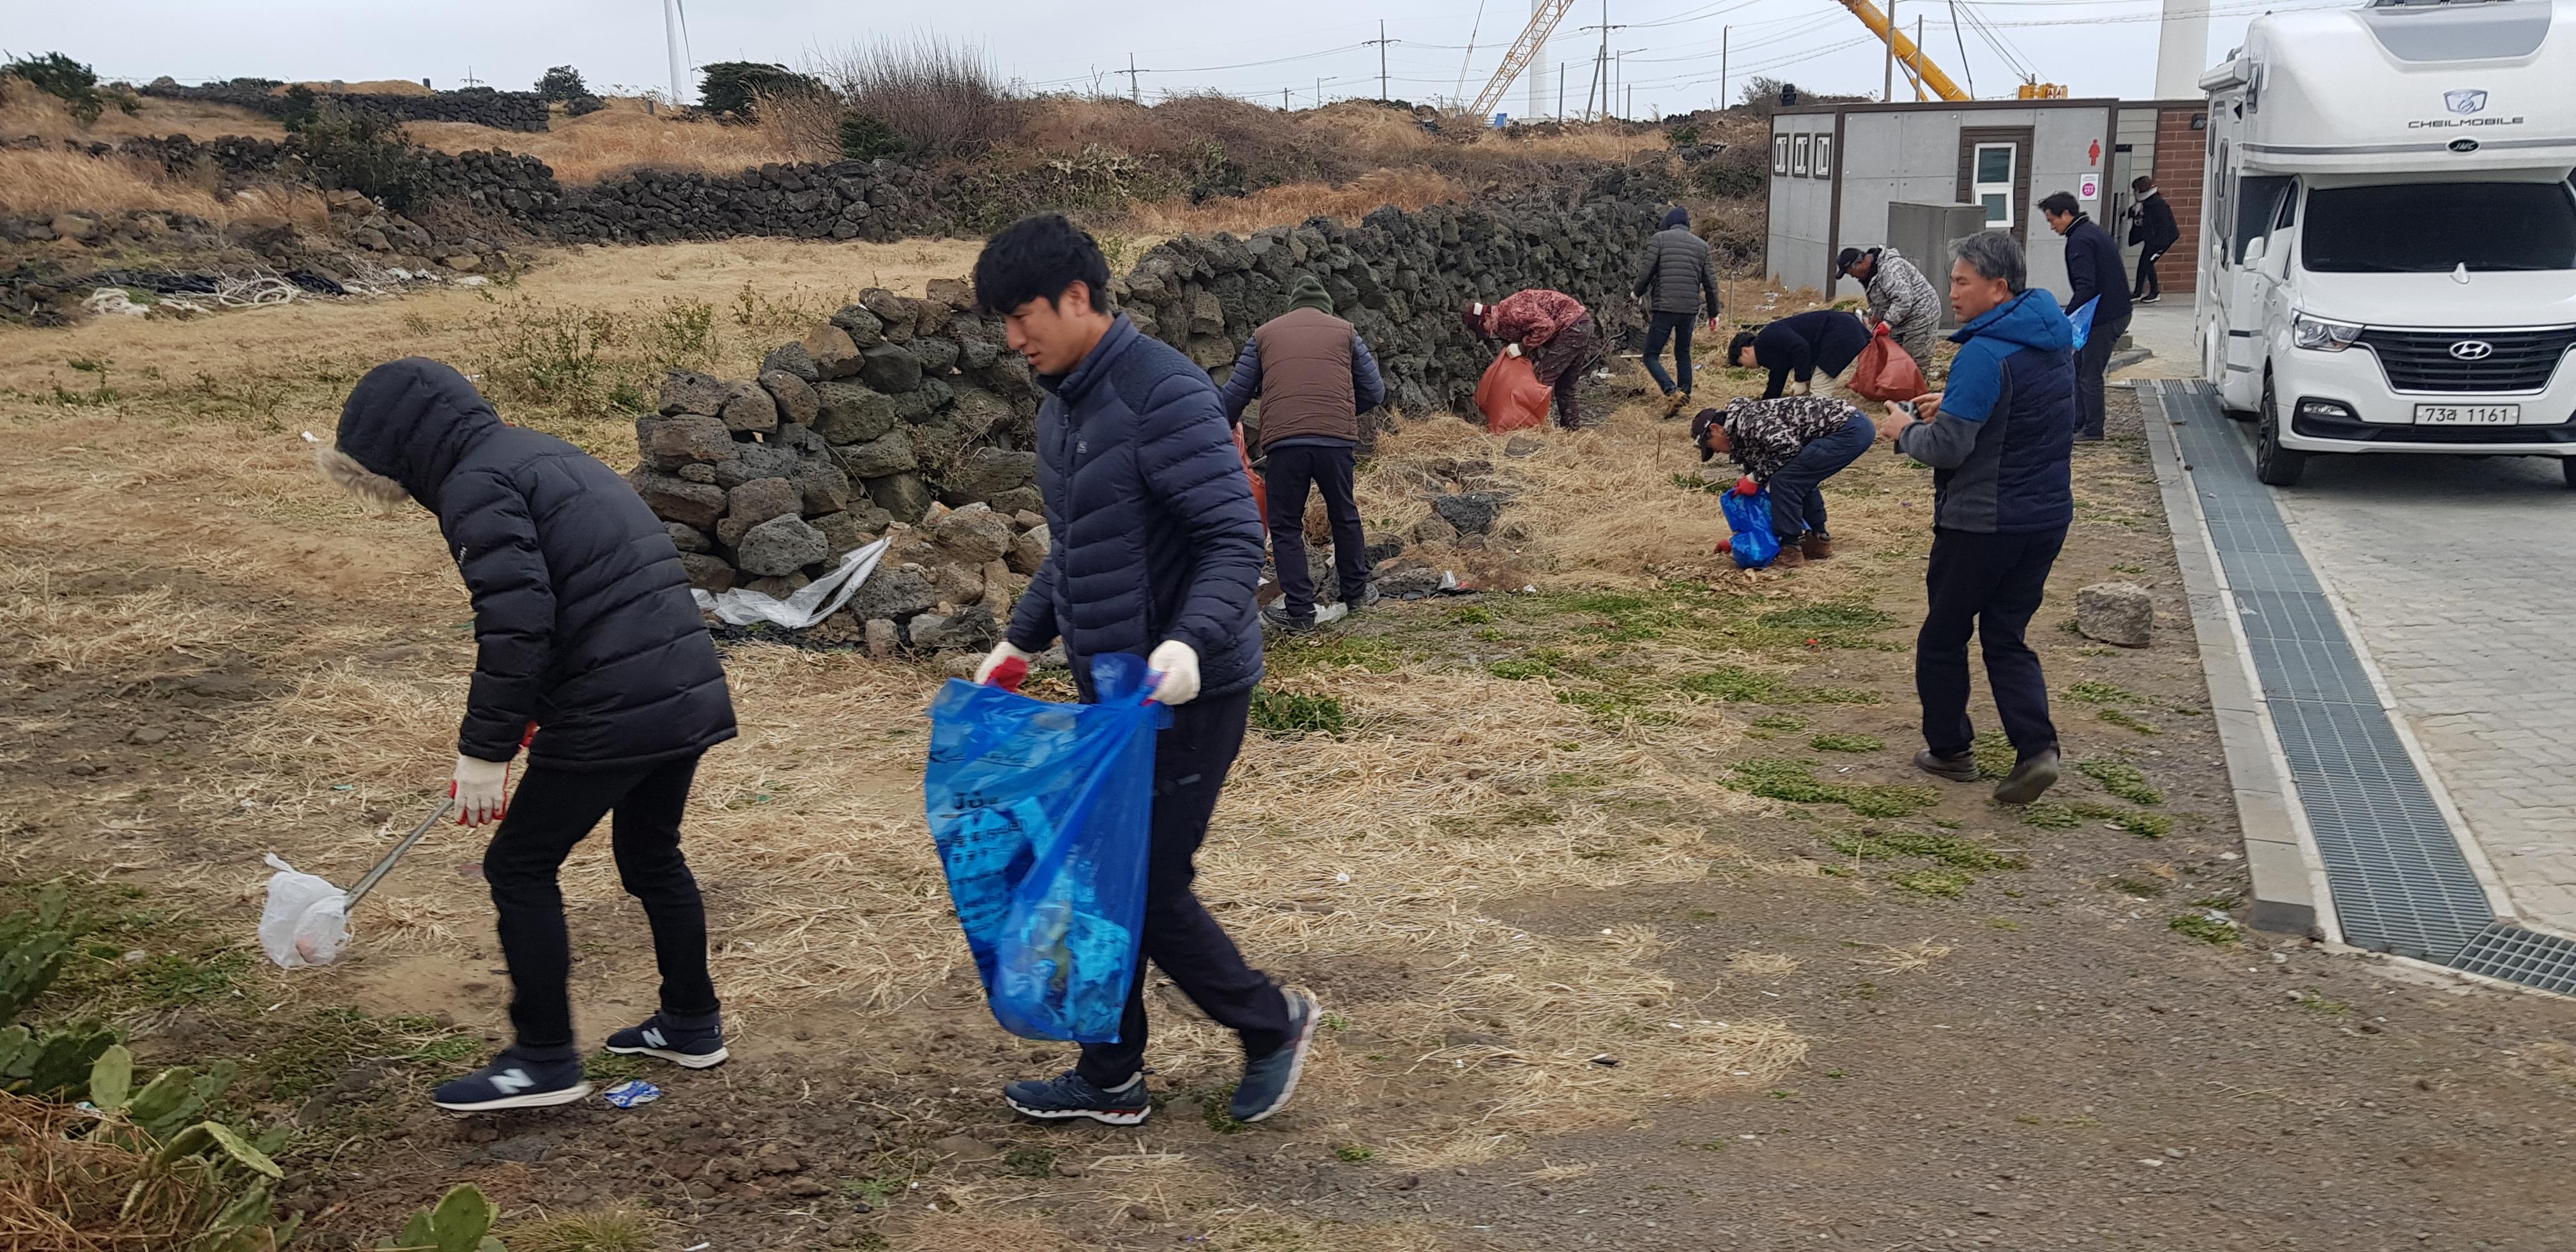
1918	58
1134	92
1725	45
1381	42
1601	70
1886	94
1283	99
1560	91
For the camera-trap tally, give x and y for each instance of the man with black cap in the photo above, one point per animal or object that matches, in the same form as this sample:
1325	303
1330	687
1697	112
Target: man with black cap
1790	444
1900	298
1680	286
1313	376
585	629
1798	347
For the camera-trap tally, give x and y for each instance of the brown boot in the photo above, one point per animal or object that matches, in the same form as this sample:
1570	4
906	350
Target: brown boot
1674	403
1816	546
1789	558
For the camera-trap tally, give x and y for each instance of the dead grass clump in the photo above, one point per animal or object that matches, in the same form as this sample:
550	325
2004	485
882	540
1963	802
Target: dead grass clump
1409	188
70	1189
72	631
1762	963
623	138
27	111
36	181
941	97
596	1230
371	87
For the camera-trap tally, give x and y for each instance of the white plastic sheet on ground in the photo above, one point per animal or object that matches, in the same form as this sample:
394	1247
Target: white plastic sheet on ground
811	603
306	920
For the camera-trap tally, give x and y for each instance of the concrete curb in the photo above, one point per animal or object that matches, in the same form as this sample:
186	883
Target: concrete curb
2289	878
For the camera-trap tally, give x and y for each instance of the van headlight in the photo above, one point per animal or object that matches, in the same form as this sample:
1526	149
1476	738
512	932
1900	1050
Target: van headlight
2320	335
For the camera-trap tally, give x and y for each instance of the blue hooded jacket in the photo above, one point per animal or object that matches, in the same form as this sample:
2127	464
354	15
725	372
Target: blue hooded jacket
1155	535
1999	447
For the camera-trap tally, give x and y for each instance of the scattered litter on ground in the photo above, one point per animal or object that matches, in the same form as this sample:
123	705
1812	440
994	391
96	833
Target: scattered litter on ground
632	1092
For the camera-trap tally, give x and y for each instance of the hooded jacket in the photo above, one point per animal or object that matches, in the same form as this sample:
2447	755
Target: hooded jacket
1902	297
582	613
2155	230
1155	535
1675	275
1999	446
1311	371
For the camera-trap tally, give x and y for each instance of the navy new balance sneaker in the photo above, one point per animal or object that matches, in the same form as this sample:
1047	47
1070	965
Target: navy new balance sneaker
1270	1080
516	1079
1072	1095
695	1043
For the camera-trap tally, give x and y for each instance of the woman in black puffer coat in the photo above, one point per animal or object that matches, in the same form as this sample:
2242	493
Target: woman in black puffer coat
587	633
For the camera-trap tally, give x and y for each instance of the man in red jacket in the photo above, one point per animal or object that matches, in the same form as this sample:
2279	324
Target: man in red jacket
1553	330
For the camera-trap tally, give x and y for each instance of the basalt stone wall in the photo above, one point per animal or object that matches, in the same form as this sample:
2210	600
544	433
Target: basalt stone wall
481	106
914	417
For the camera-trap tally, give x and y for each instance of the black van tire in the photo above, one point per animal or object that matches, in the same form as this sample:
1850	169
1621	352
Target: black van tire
2273	464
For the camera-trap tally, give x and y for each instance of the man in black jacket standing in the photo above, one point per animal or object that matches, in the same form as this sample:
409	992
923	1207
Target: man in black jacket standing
2155	234
587	633
1680	286
2092	274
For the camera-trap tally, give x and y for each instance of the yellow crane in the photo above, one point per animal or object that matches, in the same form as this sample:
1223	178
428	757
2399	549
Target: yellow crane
1920	67
1525	49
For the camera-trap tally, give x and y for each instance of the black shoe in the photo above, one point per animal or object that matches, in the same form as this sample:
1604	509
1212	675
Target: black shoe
1071	1095
1366	599
2029	780
694	1047
1268	1082
1276	618
515	1080
2155	299
1960	768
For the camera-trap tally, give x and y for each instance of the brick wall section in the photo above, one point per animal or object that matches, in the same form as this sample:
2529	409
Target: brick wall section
2180	152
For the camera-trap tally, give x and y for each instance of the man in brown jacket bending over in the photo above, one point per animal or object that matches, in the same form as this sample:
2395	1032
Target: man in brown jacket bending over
1314	377
1553	330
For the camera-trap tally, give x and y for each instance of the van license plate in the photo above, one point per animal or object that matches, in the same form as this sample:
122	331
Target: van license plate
2468	414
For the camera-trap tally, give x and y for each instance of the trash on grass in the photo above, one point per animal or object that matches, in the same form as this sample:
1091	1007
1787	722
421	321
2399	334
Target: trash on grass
632	1092
809	604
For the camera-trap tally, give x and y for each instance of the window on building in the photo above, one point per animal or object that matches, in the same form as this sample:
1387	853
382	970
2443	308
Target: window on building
1799	149
1780	155
1992	184
1824	166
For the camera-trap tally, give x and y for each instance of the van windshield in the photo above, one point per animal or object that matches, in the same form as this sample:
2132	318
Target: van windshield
2418	228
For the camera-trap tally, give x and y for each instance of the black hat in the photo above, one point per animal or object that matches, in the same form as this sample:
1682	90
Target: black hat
1699	431
1844	262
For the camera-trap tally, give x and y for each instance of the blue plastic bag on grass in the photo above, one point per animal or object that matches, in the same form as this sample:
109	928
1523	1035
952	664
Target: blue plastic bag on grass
1753	545
1042	815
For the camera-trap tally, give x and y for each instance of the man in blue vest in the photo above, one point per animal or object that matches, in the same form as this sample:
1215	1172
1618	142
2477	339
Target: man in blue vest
1998	441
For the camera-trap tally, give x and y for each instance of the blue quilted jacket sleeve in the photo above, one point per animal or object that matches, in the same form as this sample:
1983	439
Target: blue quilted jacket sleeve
1186	455
1033	620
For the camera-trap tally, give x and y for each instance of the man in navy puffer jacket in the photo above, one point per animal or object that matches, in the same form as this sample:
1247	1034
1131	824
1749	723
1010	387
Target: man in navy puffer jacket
584	627
1156	552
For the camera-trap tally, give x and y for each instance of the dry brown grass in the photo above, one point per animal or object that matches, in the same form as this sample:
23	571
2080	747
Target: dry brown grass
623	137
1408	189
27	111
371	87
72	1186
35	183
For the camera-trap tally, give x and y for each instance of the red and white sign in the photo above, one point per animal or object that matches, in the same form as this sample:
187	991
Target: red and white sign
2089	188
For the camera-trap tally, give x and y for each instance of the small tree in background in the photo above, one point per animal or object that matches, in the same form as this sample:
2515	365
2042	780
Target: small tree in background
938	97
70	81
562	84
866	137
364	151
736	87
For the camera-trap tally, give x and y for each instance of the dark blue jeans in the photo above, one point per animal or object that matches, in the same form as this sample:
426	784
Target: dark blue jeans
1797	490
1676	327
1988	585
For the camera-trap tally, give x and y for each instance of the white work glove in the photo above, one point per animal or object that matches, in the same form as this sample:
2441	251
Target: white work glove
1511	349
1003	651
481	790
1177	667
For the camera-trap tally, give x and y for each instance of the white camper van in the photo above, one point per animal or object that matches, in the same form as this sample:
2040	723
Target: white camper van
2388	235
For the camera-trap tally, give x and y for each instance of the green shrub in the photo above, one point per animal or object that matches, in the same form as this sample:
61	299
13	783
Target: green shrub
75	84
363	151
562	85
1290	713
866	137
735	87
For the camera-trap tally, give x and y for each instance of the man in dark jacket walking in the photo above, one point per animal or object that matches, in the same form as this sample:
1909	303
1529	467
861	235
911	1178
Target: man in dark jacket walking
586	632
1313	377
1798	347
1156	551
2092	276
2155	233
2002	497
1680	287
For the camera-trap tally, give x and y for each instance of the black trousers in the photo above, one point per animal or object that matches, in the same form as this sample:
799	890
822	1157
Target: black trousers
1797	488
2090	361
2148	284
1288	472
1989	584
1676	327
555	809
1190	762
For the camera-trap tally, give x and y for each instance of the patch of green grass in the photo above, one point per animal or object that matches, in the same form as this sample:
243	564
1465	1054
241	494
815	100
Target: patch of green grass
1846	743
1958	853
611	1067
1693	482
1520	670
2146	887
1730	682
2222	901
318	1047
2102	693
1780	778
1780	721
2205	928
1826	618
1029	1162
2068	814
2128	569
1995	755
1335	1022
1948	884
1355	1153
2316	1001
2123	780
1471	615
2127	722
1376	654
1612	707
1218	1119
1276	712
2145	825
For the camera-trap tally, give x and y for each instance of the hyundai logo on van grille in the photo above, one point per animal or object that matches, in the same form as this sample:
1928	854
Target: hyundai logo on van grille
2464	102
2473	349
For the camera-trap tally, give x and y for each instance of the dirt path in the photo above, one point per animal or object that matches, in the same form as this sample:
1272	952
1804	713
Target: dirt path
1635	926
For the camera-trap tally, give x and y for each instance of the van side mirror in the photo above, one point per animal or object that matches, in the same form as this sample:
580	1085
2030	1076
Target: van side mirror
2254	251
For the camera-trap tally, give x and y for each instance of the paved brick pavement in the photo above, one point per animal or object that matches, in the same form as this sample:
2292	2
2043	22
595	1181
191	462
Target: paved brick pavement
2461	576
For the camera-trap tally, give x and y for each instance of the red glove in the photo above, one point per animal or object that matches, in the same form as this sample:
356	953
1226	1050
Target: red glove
1745	486
1009	674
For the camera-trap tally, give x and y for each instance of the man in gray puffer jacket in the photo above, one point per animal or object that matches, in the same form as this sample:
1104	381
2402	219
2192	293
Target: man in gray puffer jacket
1678	283
1901	297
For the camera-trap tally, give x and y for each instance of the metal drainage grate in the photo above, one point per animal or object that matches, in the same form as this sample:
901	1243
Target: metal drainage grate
2527	957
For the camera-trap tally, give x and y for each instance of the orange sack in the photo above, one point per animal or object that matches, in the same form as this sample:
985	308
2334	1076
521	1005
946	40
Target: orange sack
1510	395
1260	487
1885	372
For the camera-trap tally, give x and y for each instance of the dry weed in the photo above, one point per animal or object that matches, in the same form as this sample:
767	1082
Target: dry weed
1409	188
27	111
1894	960
1758	963
69	630
41	181
622	138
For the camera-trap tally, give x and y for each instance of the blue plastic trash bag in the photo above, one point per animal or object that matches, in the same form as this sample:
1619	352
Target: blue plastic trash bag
1042	812
2082	318
1754	545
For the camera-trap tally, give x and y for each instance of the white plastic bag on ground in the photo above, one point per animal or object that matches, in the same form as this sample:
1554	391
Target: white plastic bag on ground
306	921
809	604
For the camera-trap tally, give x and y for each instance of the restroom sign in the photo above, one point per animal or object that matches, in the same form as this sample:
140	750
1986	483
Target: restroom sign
2089	188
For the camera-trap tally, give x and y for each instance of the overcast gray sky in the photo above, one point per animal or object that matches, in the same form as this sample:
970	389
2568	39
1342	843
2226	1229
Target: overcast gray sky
2095	47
